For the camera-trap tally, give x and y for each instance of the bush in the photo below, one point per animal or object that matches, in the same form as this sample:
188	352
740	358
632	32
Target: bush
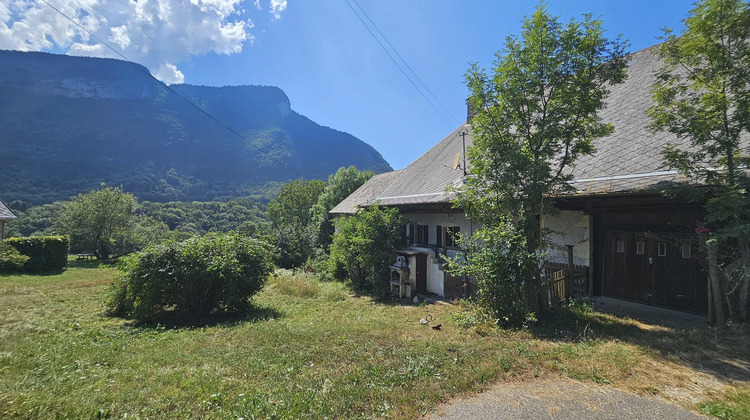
497	258
194	277
363	246
11	261
47	254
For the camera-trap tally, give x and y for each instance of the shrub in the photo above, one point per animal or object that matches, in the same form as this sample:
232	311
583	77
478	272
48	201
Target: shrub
11	261
47	254
497	258
193	277
363	245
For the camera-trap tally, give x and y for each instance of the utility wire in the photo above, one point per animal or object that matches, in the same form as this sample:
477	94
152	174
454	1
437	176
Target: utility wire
419	79
397	64
193	104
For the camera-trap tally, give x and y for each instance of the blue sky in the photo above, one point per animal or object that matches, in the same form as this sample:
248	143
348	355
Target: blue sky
319	53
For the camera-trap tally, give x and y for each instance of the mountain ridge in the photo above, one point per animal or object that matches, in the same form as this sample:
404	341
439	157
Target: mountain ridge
68	124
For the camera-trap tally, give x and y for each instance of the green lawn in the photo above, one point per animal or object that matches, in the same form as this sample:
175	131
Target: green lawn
313	348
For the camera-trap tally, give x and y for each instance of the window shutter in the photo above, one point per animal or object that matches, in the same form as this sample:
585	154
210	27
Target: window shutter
439	236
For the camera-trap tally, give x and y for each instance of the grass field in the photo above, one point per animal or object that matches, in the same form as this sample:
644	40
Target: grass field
316	349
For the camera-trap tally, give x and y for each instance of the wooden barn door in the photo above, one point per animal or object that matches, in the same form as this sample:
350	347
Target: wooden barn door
656	268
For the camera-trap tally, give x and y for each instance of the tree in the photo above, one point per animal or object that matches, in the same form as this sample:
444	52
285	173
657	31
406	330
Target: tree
290	213
702	96
340	185
537	113
99	221
364	244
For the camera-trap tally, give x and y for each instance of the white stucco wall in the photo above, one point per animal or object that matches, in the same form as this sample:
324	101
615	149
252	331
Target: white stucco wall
569	228
435	277
440	219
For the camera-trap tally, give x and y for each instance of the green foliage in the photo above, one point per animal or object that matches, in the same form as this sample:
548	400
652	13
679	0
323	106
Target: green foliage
198	218
192	277
363	244
290	213
47	254
99	221
702	96
537	113
496	257
732	404
340	185
11	261
35	221
702	93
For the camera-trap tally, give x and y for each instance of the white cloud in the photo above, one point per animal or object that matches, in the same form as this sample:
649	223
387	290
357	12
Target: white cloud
168	73
155	33
277	7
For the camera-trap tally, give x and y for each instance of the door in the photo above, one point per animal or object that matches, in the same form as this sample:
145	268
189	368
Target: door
421	274
657	268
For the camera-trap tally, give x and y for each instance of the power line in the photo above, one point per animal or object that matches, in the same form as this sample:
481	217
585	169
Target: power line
419	79
194	105
397	64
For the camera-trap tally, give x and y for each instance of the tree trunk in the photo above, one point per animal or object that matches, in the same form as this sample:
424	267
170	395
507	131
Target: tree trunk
717	316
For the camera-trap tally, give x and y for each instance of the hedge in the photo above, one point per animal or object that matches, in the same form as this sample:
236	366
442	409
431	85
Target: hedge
47	254
11	261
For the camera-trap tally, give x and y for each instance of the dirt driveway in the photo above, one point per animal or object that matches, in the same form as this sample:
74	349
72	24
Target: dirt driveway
561	399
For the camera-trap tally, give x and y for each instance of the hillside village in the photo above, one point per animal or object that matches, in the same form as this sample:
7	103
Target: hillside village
578	246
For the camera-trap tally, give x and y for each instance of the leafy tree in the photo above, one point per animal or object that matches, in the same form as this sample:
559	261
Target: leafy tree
340	185
364	245
537	113
36	221
702	96
99	221
290	214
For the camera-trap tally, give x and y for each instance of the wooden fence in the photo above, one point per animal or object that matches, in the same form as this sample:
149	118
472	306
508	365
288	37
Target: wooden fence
562	282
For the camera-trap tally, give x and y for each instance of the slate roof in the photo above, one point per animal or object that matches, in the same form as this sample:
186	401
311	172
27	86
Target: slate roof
5	212
628	160
366	194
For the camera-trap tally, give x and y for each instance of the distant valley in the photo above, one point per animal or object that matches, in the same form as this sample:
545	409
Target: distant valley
68	124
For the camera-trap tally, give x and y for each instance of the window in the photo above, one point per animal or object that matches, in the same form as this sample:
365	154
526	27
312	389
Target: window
418	234
640	247
620	246
686	250
662	249
451	234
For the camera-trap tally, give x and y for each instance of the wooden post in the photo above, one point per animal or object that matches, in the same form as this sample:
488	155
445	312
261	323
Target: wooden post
717	315
569	273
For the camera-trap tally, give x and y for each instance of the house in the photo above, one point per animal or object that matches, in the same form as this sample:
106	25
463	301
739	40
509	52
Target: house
5	215
637	244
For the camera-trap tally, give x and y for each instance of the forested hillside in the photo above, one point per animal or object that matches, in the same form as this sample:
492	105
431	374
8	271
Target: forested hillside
67	124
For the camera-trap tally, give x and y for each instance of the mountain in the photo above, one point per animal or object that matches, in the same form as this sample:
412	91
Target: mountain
68	124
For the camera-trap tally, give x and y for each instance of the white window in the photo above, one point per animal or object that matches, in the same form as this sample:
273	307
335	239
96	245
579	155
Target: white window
640	247
620	246
662	249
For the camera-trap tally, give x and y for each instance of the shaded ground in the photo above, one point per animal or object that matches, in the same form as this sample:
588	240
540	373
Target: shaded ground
561	399
648	314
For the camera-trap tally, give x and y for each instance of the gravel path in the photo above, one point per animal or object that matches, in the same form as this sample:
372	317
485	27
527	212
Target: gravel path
559	400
